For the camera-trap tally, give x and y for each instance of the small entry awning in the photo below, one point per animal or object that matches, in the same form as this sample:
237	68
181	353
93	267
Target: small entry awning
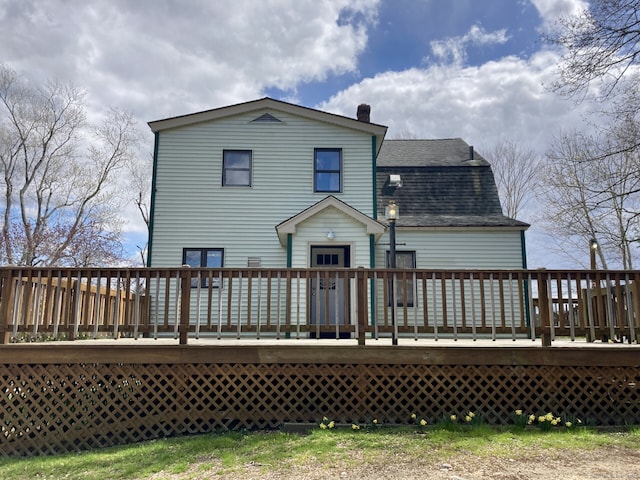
289	226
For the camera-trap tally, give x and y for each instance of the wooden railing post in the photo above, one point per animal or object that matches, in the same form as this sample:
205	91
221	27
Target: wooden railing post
185	303
362	304
543	308
6	301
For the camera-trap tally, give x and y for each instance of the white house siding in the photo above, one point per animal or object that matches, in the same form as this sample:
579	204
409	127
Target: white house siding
193	210
458	249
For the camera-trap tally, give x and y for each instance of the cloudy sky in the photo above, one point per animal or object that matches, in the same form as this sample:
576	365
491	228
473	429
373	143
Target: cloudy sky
474	69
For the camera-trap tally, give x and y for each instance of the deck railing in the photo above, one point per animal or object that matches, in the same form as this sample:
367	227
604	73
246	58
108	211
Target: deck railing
183	303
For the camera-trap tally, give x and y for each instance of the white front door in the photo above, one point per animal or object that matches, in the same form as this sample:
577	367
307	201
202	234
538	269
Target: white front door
328	306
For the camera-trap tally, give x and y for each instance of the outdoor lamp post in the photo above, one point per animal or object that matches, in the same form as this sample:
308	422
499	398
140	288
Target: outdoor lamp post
593	248
391	214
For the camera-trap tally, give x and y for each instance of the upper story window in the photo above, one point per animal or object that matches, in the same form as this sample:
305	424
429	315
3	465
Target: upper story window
327	170
236	168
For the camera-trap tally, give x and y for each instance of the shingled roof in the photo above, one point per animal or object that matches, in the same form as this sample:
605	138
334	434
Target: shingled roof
444	184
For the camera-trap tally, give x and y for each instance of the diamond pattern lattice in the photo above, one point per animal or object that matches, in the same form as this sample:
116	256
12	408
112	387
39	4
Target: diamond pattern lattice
53	408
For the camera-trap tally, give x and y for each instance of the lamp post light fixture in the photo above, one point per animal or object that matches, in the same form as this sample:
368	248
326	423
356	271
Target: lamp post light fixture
391	214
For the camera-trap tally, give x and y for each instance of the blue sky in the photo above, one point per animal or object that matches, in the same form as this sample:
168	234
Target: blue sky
474	69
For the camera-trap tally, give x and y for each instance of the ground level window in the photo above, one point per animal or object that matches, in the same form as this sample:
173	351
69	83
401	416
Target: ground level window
404	259
203	257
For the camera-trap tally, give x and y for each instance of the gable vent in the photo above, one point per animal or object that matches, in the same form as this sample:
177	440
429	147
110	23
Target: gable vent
266	118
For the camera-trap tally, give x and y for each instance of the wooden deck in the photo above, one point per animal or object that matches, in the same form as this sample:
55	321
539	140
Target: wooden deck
152	353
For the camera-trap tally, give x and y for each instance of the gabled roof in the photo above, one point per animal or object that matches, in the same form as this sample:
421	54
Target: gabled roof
441	185
289	226
268	105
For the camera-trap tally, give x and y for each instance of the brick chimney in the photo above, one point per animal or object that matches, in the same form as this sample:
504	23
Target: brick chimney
364	112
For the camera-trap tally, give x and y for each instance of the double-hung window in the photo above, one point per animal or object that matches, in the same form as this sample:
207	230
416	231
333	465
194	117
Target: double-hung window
327	170
404	259
236	168
203	257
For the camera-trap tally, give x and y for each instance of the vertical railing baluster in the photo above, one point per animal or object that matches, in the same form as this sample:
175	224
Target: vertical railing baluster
220	284
630	309
513	308
434	295
493	307
278	304
36	307
259	319
298	298
198	300
570	312
116	309
472	288
157	307
239	305
454	306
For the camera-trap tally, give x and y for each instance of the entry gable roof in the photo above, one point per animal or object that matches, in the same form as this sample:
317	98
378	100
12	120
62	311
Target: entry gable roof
289	226
271	104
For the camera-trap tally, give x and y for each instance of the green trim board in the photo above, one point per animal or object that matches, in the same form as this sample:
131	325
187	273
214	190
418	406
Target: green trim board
156	141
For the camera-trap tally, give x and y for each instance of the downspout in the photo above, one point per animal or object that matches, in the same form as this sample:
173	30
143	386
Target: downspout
289	249
156	141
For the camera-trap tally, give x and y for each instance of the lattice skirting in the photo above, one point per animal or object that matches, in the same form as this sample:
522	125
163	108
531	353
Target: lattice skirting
53	408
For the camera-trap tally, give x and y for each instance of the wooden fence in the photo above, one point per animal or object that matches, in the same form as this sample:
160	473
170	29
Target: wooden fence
316	303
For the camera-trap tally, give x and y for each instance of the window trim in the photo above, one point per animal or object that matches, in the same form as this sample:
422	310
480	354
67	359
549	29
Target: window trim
225	169
316	171
398	294
203	260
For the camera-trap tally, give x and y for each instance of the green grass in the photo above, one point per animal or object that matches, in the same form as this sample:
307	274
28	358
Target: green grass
229	452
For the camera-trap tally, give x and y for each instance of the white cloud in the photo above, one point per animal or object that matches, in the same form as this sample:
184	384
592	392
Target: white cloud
551	10
454	49
482	104
171	57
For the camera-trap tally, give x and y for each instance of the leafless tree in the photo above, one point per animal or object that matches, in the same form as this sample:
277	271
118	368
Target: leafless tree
140	188
516	169
59	175
583	199
601	48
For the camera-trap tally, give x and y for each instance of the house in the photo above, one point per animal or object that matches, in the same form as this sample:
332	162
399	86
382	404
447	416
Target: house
269	184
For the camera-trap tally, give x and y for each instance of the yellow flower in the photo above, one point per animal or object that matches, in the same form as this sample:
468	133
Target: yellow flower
532	418
325	419
375	421
558	420
453	418
541	419
568	424
423	422
554	422
413	416
518	412
332	424
471	414
549	416
579	421
529	422
323	426
467	418
355	427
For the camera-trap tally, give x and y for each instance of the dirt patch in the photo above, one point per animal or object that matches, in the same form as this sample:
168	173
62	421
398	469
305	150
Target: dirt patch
604	463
